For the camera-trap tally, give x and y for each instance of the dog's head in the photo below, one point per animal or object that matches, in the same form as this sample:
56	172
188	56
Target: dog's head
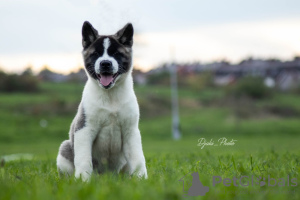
107	59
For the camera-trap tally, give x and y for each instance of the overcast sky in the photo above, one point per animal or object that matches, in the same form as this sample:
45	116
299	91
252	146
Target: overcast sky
37	33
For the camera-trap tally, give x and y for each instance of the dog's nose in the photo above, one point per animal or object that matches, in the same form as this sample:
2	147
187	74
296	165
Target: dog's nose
105	65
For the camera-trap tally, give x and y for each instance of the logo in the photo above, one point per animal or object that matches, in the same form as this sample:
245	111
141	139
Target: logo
197	188
245	181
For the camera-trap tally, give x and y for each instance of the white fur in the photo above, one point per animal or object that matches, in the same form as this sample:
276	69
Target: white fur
105	56
64	165
111	129
83	140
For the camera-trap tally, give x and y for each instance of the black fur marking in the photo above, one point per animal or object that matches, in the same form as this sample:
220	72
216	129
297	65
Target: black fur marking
66	150
120	54
120	49
80	123
89	34
96	165
125	35
71	133
93	53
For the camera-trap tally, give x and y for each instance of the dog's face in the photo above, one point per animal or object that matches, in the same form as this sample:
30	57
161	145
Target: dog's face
107	59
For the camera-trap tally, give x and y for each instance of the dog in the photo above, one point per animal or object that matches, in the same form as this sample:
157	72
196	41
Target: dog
104	135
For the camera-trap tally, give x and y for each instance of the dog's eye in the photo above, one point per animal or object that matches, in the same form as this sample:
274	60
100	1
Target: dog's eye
95	53
117	54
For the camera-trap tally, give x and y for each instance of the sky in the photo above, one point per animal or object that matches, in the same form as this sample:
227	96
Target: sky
38	33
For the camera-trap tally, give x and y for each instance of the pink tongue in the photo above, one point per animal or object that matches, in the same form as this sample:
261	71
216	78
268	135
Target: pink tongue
106	80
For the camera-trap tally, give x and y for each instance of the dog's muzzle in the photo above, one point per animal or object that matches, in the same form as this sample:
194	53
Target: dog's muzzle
106	66
106	76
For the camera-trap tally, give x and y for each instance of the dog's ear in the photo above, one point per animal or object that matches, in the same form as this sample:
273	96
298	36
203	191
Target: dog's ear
125	35
89	34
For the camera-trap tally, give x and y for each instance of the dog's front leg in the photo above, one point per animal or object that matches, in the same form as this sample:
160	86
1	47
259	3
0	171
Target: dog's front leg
83	141
134	154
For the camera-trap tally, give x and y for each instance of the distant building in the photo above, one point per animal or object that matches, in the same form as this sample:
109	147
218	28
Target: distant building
284	75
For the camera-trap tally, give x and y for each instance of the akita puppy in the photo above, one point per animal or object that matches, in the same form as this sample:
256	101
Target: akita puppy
104	134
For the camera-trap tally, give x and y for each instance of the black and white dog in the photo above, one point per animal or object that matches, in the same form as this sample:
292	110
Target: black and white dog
104	133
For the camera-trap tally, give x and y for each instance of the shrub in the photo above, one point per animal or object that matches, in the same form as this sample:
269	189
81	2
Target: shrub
18	83
162	78
251	87
297	90
196	81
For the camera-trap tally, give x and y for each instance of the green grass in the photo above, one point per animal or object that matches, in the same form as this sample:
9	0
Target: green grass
286	100
264	146
38	179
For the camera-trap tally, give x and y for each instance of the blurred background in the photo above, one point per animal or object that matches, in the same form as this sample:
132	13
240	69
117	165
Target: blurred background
237	65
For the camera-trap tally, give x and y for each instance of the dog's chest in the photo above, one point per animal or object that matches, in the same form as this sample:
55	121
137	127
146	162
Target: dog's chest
110	117
108	122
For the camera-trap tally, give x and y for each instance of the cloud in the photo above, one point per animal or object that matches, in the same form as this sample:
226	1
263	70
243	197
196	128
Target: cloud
233	41
198	30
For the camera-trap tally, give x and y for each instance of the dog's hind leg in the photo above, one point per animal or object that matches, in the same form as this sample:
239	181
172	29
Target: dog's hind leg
65	159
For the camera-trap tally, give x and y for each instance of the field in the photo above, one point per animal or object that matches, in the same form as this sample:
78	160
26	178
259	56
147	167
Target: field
266	146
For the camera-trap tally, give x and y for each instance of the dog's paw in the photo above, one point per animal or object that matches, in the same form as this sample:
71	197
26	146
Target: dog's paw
142	173
84	176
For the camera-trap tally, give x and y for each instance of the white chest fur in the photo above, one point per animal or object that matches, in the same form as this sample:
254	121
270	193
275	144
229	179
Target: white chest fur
111	114
110	133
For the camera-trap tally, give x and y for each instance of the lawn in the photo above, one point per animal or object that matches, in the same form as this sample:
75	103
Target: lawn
265	148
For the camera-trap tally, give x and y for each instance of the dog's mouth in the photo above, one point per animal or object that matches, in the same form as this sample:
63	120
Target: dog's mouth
107	79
